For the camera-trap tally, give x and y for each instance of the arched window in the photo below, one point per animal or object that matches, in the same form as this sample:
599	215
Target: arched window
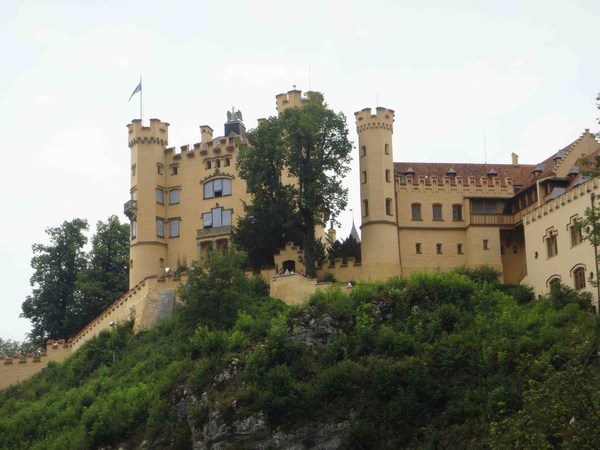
579	277
554	283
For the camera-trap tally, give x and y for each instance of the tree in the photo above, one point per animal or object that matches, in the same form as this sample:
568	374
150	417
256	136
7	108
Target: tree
56	267
296	163
71	287
216	290
106	277
345	249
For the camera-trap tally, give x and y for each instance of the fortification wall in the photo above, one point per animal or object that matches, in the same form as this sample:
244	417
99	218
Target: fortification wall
151	299
295	289
17	368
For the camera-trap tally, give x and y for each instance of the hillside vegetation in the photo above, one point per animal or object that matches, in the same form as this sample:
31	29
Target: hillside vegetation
432	361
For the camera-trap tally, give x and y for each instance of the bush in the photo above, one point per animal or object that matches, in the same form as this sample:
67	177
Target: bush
480	274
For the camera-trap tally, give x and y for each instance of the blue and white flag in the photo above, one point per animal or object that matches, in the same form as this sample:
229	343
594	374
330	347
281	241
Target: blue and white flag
136	90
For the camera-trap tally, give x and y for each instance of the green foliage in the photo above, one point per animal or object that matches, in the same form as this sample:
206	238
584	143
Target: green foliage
56	267
70	288
480	274
310	145
348	247
432	361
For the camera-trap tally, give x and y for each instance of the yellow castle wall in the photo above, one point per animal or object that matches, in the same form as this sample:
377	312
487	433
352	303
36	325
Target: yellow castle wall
15	369
557	216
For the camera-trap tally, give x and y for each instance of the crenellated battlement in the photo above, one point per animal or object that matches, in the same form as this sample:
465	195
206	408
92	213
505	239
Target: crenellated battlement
382	119
17	368
157	132
469	185
289	99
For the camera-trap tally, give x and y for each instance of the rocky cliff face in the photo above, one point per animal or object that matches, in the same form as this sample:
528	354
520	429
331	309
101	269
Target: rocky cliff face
212	429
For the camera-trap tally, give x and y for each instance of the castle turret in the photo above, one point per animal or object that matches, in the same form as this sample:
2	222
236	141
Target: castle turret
380	249
146	208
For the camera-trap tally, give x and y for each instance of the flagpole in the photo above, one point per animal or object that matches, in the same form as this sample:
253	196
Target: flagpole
141	93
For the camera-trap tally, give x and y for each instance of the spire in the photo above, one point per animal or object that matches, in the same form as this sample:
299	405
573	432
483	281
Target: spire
354	232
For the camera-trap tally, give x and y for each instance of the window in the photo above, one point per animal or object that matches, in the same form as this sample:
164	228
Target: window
459	249
438	249
173	196
161	262
218	163
365	208
217	188
457	213
173	227
576	236
418	248
160	169
485	244
415	209
208	165
483	207
134	194
555	283
131	263
387	176
227	162
133	170
217	217
160	227
363	151
386	149
133	229
364	176
552	245
160	196
515	249
579	276
388	206
174	169
437	212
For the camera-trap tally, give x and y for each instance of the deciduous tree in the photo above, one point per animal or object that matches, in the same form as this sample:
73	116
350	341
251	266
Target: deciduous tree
56	267
297	162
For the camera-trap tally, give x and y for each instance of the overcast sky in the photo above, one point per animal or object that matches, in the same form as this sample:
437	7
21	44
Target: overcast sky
523	74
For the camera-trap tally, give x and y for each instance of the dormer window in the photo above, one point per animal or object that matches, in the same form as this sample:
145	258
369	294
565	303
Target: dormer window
410	172
492	173
451	174
537	170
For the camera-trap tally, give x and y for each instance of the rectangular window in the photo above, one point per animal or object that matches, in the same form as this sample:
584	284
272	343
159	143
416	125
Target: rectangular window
160	196
218	163
515	249
160	227
173	196
485	244
415	209
386	149
457	213
576	236
364	177
174	170
552	245
483	207
365	208
227	162
363	151
208	165
437	212
388	178
159	169
438	249
459	249
579	276
133	229
388	206
418	248
217	188
173	227
133	170
218	217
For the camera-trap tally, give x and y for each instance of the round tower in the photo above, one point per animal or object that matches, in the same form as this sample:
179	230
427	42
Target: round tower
380	249
146	207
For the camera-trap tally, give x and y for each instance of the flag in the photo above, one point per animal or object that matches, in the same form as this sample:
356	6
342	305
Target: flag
136	90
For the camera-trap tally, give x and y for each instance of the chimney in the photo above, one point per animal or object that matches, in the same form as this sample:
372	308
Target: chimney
515	159
207	133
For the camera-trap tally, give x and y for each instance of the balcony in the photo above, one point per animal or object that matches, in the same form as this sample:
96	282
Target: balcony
130	209
492	219
214	232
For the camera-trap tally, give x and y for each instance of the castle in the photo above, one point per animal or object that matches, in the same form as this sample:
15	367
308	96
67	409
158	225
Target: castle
518	218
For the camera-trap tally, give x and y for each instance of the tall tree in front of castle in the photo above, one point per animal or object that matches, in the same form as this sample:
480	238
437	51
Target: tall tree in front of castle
71	287
310	149
56	267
